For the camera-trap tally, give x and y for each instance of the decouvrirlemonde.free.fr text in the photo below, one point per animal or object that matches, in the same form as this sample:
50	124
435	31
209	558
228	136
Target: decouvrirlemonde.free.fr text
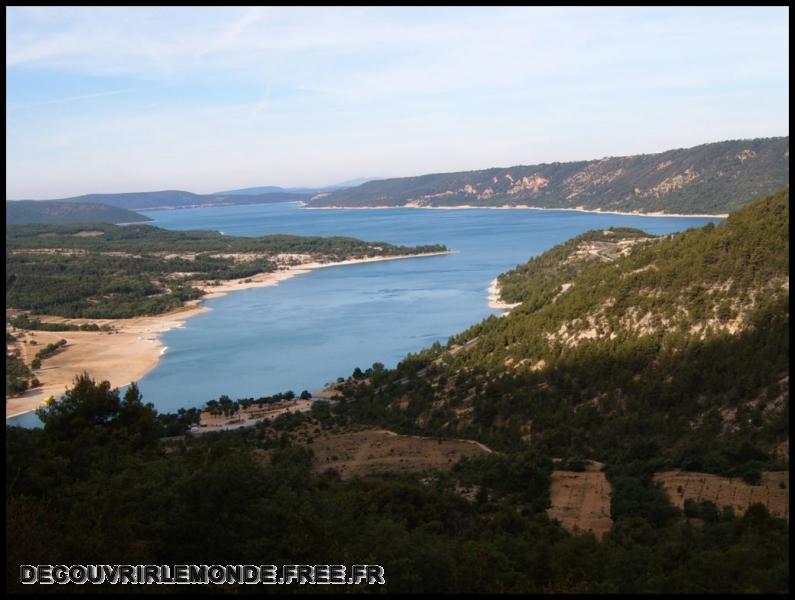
201	574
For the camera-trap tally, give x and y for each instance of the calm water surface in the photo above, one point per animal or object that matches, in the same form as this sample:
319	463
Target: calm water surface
315	327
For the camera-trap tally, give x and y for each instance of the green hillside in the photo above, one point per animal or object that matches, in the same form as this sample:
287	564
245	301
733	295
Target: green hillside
712	178
118	272
680	347
539	280
662	353
59	213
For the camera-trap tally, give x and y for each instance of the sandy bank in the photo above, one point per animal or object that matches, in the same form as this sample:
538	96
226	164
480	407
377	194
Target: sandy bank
494	298
266	279
134	347
523	207
120	357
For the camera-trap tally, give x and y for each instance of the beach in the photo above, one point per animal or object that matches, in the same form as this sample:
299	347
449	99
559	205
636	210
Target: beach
521	207
494	298
134	347
120	356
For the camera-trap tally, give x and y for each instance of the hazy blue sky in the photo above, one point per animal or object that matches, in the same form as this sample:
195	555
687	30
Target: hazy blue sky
206	99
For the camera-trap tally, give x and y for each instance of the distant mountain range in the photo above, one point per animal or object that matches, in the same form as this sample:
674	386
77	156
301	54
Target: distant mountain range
712	178
354	182
171	199
168	199
270	189
715	178
61	213
265	189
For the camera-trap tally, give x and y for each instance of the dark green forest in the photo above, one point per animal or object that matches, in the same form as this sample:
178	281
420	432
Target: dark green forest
674	354
95	485
120	272
18	375
24	322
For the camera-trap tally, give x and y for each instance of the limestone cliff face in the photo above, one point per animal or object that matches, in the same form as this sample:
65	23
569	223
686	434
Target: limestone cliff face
709	179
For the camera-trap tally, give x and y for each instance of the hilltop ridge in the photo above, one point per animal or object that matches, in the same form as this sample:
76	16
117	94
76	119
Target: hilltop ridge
62	213
714	178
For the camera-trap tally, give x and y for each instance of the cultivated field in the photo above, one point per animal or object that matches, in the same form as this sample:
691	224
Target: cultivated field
372	451
723	491
581	501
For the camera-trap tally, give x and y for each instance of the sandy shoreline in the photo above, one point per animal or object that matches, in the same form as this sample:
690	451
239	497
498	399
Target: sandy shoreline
134	347
523	207
121	356
494	298
267	279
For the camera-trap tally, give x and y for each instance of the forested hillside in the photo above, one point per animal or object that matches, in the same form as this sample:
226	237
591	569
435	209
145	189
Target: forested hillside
676	353
663	353
541	279
106	271
59	213
712	178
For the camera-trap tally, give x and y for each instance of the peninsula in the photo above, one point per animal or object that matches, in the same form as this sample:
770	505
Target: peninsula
112	323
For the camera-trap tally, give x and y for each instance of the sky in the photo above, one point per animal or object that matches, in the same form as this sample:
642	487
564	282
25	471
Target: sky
114	99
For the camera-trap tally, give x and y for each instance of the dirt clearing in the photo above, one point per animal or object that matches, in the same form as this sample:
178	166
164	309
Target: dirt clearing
581	501
725	491
372	451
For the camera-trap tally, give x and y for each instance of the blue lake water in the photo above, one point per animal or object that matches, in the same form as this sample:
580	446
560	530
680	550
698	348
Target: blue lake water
312	328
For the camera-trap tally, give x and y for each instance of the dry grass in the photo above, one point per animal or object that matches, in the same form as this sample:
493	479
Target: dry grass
725	491
373	451
581	501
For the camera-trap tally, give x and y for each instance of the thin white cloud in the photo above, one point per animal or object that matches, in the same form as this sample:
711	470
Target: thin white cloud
262	104
70	98
375	53
281	95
